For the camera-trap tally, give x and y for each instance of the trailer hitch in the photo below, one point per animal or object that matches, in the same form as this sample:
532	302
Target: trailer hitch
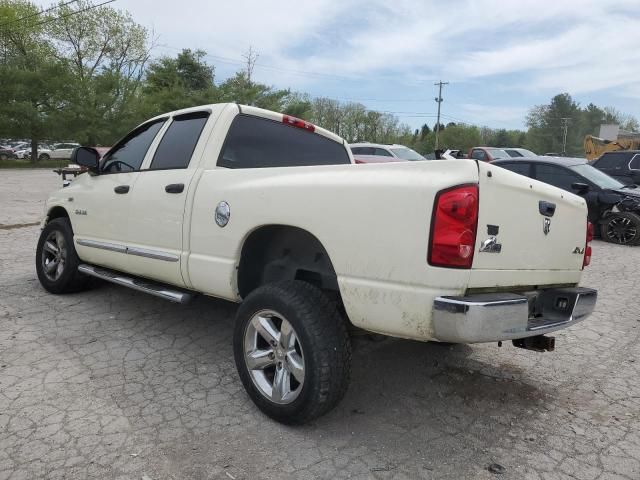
539	343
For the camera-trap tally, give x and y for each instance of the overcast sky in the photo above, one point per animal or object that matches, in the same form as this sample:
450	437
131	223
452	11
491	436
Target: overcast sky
500	56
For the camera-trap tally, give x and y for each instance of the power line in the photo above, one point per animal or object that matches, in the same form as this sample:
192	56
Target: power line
75	12
38	13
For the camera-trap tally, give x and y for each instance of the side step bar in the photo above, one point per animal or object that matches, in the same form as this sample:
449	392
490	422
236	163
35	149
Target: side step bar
142	285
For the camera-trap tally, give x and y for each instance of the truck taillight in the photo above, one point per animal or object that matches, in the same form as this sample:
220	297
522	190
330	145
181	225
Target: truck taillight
298	123
587	247
453	227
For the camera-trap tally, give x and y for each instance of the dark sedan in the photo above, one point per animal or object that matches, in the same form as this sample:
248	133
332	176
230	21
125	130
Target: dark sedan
614	206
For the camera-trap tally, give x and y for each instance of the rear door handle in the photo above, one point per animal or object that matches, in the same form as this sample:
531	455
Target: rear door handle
121	189
174	188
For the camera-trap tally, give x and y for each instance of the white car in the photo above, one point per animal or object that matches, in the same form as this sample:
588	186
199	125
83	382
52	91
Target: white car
44	152
258	207
62	150
399	152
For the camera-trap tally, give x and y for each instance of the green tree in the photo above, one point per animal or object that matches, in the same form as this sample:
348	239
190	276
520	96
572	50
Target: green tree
180	82
34	82
106	53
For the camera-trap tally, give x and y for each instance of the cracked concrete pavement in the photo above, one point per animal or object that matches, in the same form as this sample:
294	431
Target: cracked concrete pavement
112	383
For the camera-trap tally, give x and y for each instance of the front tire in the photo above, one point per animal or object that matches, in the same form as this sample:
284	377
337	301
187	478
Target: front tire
292	351
56	259
621	228
43	157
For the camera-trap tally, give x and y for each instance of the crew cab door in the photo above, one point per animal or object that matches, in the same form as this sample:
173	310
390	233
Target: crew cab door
158	203
101	202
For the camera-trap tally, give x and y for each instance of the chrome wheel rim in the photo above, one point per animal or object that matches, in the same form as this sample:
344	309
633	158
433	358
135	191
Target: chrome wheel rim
621	230
274	357
54	255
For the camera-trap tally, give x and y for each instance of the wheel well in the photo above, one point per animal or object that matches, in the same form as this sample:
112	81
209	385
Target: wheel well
278	252
57	212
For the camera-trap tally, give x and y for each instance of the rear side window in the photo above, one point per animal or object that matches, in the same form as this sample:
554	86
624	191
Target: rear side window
522	168
179	141
129	153
479	155
254	142
514	153
557	176
612	160
381	152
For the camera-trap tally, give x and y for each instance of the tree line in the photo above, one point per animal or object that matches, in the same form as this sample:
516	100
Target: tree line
87	74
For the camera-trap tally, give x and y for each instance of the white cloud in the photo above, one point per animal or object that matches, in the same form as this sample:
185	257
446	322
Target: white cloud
533	47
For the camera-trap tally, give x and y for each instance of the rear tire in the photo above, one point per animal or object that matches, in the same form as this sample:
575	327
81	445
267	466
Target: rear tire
621	228
43	157
301	371
57	261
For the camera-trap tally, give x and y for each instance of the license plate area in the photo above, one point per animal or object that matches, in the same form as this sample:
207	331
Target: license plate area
550	307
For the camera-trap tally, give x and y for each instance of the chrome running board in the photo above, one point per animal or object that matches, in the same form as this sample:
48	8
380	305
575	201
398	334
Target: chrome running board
142	285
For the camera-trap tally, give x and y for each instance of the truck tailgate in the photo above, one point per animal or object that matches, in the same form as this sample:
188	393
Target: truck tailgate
545	249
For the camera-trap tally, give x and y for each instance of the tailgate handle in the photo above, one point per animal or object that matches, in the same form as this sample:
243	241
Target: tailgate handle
546	208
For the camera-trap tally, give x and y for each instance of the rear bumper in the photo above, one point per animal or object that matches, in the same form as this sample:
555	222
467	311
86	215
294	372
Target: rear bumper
505	316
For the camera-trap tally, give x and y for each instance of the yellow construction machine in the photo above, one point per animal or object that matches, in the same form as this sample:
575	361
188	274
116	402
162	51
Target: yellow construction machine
595	146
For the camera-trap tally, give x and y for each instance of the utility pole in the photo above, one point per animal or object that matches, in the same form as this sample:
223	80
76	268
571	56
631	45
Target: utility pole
439	100
565	127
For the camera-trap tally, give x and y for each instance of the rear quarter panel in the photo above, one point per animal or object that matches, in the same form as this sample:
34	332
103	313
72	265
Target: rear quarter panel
373	220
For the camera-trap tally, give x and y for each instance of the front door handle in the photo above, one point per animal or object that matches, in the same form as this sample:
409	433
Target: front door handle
121	189
174	188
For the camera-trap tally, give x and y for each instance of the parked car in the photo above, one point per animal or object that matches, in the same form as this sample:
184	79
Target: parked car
519	152
262	208
44	152
613	206
621	165
7	154
399	152
62	150
487	154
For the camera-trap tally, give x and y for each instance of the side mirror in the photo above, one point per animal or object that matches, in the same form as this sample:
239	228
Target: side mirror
580	187
86	157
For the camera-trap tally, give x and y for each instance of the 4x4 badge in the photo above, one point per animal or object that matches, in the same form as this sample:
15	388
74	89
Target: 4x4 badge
546	225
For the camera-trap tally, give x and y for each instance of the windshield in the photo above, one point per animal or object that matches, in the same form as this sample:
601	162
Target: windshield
406	153
594	175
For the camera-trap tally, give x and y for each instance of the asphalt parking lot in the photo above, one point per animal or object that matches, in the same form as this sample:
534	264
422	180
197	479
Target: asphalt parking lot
112	383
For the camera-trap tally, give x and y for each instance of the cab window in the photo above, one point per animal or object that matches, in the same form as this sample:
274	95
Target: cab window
128	154
179	141
255	142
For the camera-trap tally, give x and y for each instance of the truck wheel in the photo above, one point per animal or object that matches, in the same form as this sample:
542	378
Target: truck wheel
292	351
622	228
56	259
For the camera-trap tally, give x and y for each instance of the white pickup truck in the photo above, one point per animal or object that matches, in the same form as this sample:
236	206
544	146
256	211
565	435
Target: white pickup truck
268	210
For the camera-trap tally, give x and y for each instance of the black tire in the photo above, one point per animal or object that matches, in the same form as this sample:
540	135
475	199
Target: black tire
43	156
621	228
68	279
4	156
323	339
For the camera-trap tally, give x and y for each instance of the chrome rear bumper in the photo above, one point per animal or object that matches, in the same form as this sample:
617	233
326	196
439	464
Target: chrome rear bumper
490	317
